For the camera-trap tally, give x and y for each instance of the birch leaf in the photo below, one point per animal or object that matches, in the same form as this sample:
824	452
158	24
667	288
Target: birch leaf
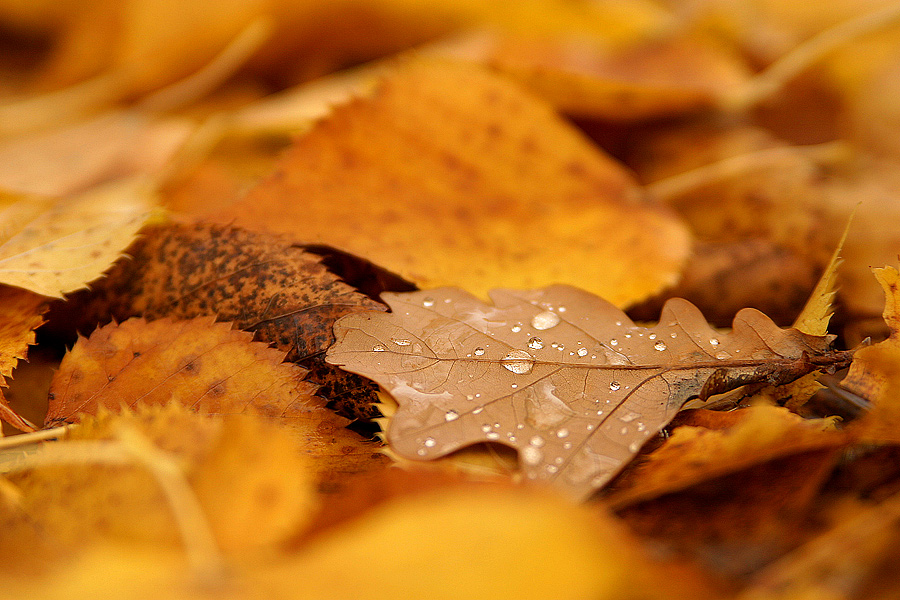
557	373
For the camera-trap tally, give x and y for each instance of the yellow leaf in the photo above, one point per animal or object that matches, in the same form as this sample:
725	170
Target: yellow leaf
452	175
53	247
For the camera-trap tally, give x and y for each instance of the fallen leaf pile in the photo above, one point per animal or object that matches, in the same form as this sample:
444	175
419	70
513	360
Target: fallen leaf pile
449	299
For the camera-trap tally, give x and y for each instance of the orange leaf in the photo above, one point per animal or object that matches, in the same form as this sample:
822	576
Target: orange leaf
452	175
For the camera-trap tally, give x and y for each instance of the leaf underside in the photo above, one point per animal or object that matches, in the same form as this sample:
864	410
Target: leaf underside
560	375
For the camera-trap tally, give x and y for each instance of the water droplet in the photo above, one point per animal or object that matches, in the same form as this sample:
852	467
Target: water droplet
531	455
641	427
552	469
451	415
560	347
545	320
659	346
517	328
428	302
561	309
629	417
673	335
567	446
378	348
537	441
486	427
479	409
628	335
421	452
401	341
618	323
492	435
615	386
590	427
478	352
536	343
518	361
652	336
634	446
448	300
561	433
624	431
429	442
514	386
613	342
722	355
582	352
713	342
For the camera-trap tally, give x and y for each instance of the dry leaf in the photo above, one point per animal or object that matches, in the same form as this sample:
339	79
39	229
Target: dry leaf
76	494
53	247
20	314
204	365
558	374
71	159
210	368
650	79
262	283
696	454
452	175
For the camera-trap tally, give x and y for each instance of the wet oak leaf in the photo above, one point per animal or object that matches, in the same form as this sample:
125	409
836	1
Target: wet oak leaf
452	175
262	283
208	367
558	374
56	246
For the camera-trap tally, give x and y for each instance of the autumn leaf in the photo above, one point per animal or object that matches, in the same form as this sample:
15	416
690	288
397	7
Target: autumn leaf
262	283
457	177
20	314
53	247
558	374
652	78
210	368
96	485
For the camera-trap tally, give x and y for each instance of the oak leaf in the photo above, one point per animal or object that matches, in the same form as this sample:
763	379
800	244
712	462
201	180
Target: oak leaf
210	368
559	374
262	283
451	175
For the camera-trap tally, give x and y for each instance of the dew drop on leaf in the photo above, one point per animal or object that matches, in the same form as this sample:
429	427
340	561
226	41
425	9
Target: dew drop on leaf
478	352
518	361
378	348
535	343
428	302
545	320
659	346
615	386
451	415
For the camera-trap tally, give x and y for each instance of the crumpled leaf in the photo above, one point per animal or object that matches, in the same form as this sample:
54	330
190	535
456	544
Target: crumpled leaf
558	374
468	180
20	314
210	368
53	247
262	283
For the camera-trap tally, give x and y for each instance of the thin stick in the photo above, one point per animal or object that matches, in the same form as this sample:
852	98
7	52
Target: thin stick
734	166
786	68
24	439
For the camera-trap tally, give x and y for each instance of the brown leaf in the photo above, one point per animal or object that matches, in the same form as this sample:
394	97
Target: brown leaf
262	283
558	374
211	368
452	175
